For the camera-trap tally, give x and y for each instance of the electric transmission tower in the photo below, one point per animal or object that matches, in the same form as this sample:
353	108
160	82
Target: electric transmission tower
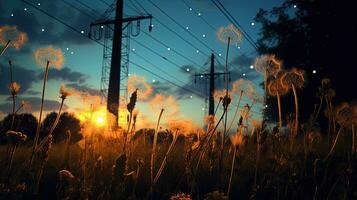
115	66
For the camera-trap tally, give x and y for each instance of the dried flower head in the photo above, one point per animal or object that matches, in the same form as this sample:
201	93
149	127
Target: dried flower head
14	88
181	196
237	139
295	78
268	65
231	32
49	54
16	137
64	92
10	33
132	102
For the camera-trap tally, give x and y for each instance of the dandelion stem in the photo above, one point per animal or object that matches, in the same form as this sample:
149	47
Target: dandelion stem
57	118
11	161
152	161
296	110
353	139
232	169
236	112
279	110
5	47
334	143
164	162
40	116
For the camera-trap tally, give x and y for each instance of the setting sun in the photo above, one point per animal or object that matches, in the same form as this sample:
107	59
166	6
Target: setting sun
100	121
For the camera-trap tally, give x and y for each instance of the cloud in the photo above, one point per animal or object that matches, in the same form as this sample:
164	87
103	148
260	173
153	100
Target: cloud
25	77
35	102
32	22
83	88
65	74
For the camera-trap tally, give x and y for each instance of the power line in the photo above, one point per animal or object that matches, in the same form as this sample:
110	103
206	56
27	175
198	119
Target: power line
156	53
158	68
202	18
88	7
104	2
77	9
186	89
226	13
142	7
182	27
77	31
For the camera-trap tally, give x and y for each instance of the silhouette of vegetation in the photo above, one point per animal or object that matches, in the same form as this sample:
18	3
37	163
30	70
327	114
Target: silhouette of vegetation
312	35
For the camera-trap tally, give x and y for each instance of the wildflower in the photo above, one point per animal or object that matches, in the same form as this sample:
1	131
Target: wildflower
231	32
14	88
181	196
49	55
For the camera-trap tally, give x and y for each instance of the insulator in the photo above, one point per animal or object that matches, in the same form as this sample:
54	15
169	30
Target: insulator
150	26
134	34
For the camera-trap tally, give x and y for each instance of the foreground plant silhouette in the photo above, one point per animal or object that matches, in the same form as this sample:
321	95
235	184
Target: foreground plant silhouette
45	57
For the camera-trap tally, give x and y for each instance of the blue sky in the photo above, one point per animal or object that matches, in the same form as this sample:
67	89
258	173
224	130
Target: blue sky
83	57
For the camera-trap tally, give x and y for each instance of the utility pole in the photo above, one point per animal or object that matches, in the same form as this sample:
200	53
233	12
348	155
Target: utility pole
120	24
212	75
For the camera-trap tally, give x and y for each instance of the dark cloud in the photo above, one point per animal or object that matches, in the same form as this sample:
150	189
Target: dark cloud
25	77
35	102
65	74
85	89
32	22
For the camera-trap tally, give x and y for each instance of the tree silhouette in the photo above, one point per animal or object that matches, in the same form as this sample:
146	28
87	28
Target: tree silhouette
25	123
312	35
66	122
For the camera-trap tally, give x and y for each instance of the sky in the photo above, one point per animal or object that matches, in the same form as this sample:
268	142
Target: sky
167	57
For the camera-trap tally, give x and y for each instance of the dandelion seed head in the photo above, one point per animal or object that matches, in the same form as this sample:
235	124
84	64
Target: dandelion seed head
231	32
267	65
295	78
275	87
49	54
246	86
11	33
